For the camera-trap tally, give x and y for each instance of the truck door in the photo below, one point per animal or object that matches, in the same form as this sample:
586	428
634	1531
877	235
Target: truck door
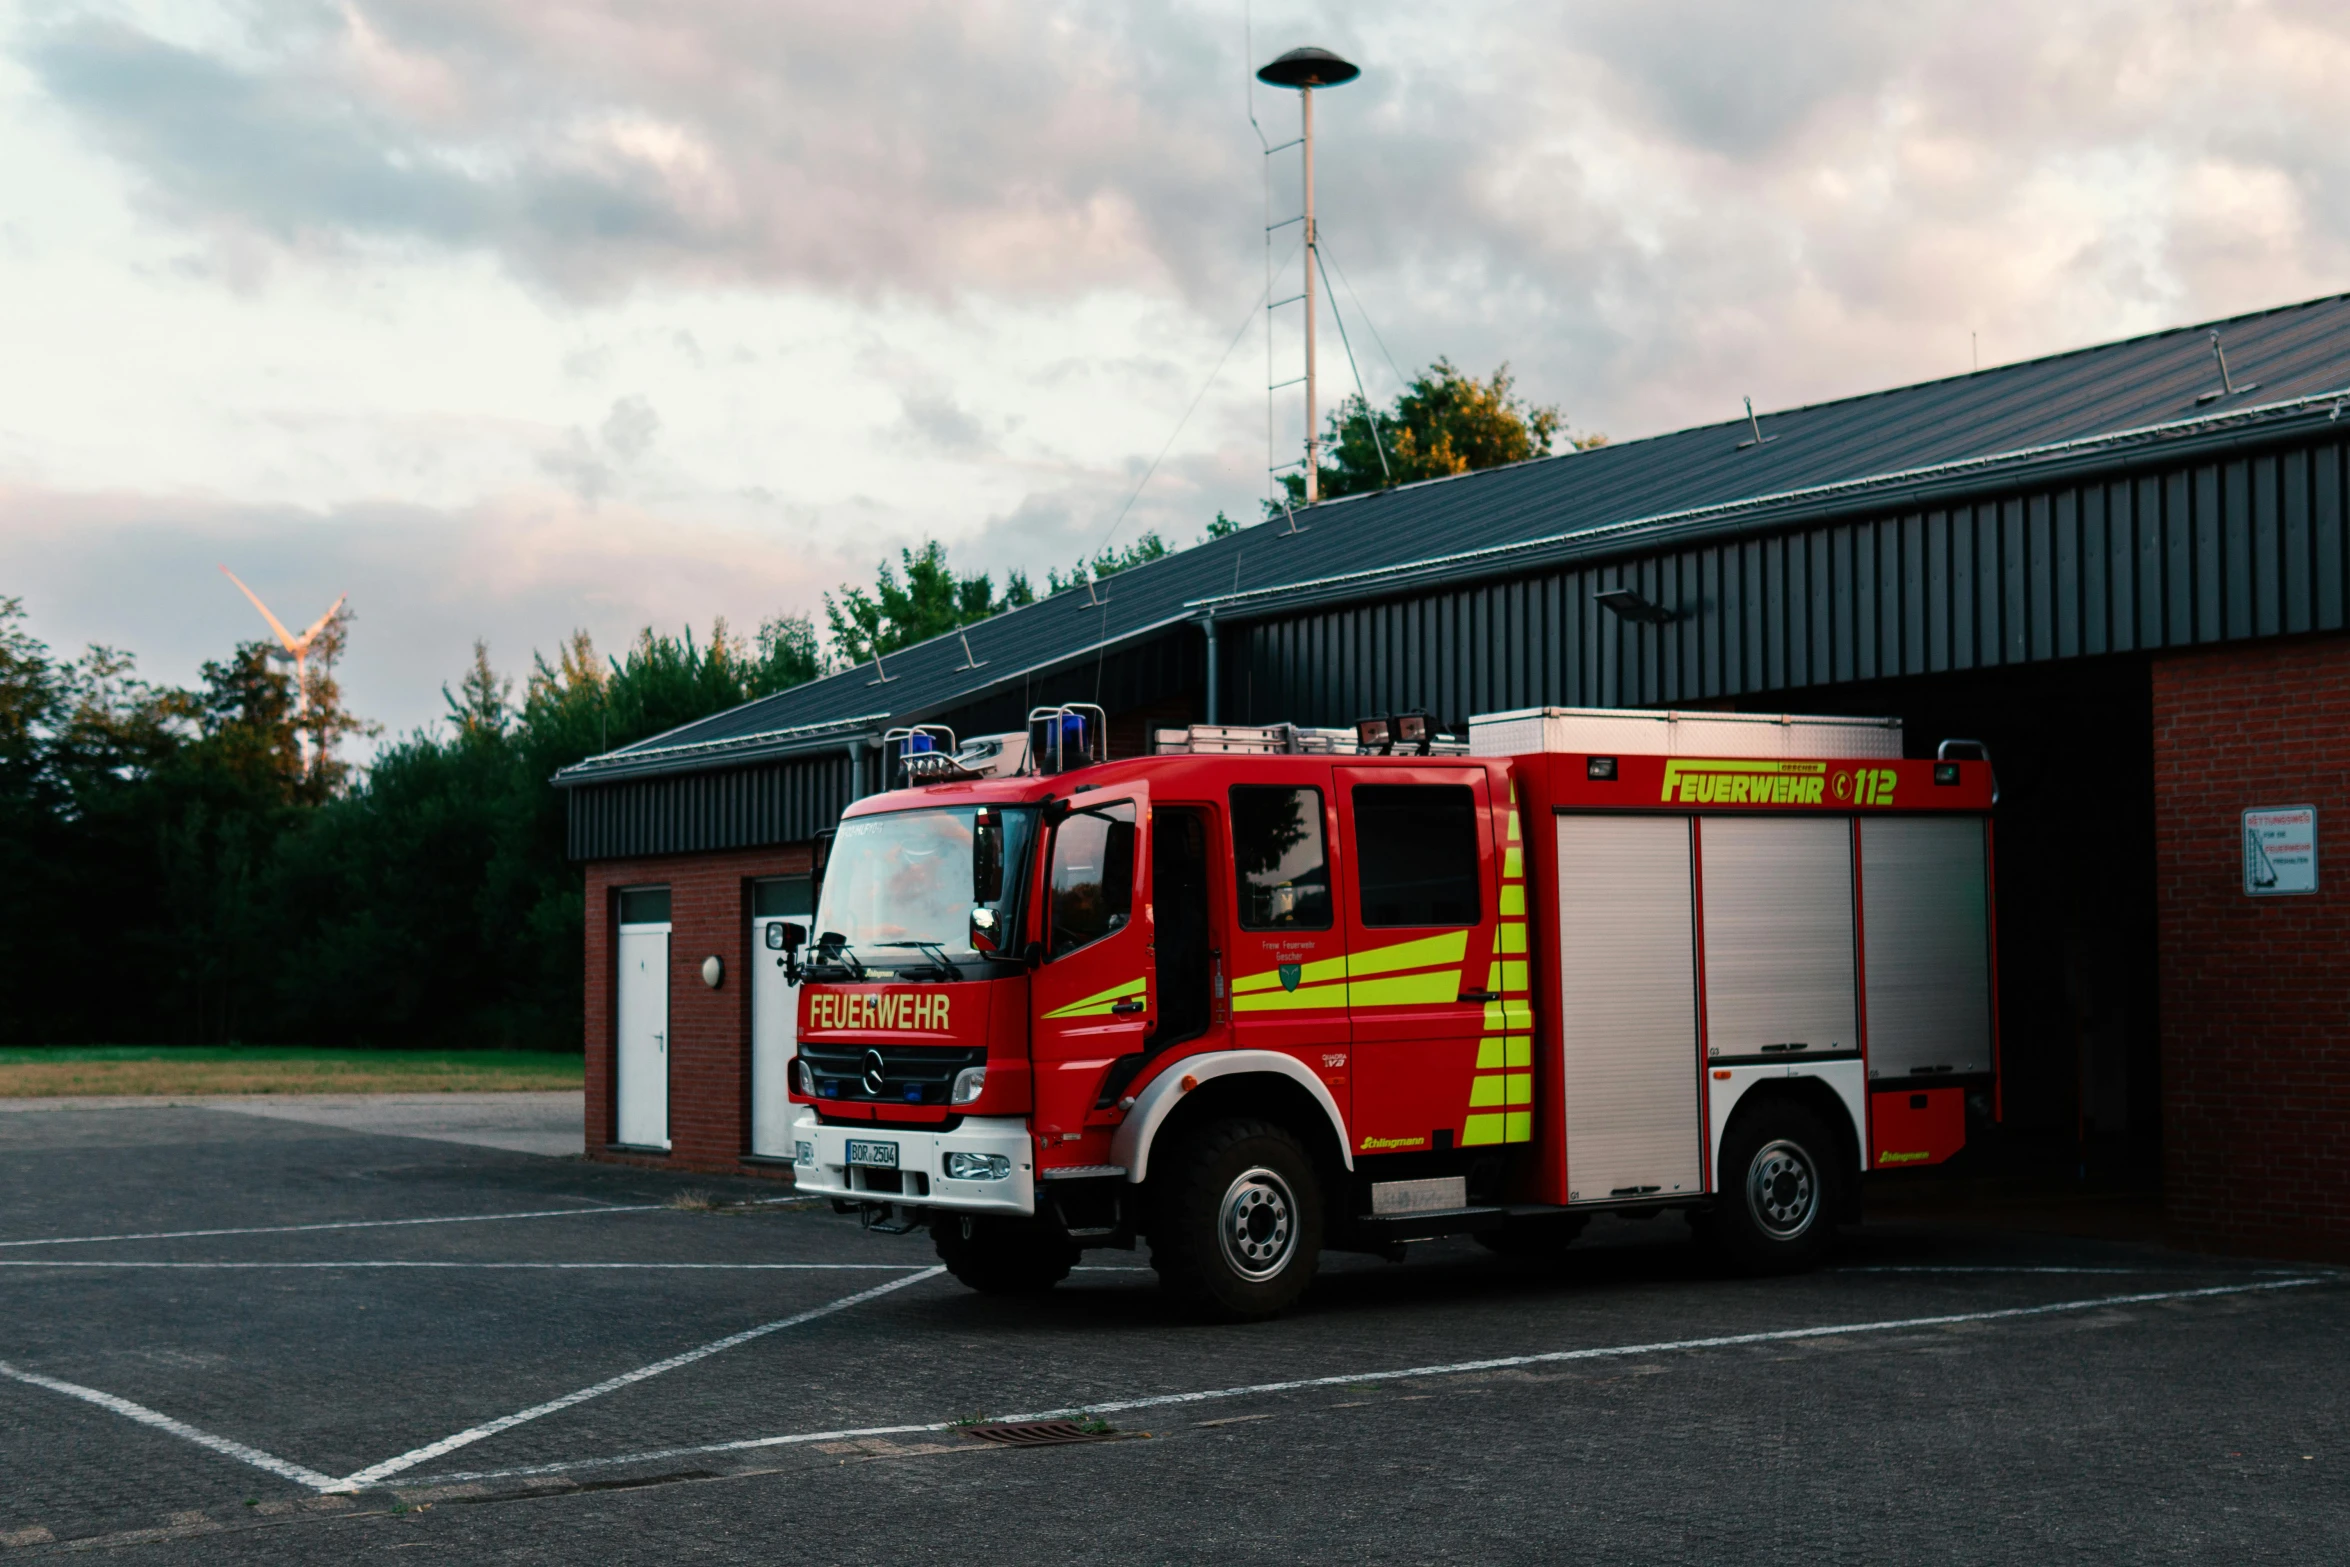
1419	925
1093	993
1286	963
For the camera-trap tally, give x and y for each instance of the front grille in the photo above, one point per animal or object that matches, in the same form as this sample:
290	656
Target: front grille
910	1074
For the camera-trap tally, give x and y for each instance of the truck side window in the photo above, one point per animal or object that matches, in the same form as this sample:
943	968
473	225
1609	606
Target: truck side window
1278	859
1093	875
1416	853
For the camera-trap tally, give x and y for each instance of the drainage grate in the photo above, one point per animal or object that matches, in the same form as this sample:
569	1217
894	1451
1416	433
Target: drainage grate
1037	1433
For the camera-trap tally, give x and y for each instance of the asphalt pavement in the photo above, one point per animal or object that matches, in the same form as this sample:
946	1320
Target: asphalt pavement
228	1337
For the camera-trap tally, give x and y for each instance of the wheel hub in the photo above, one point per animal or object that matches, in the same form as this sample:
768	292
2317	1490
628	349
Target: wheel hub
1782	1192
1257	1225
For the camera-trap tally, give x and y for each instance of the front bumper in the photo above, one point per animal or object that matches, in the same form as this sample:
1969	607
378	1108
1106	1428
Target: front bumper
823	1169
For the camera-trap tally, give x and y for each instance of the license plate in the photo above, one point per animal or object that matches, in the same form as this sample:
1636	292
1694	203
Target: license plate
882	1156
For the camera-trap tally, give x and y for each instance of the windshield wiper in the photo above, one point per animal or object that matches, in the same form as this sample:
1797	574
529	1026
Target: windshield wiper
934	951
835	954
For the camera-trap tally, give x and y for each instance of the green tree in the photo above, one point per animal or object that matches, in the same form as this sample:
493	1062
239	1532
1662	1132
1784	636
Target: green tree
785	654
1443	423
931	601
1108	562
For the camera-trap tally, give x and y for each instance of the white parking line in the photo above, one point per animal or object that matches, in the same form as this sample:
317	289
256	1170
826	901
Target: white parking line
431	1450
391	1466
712	1267
354	1224
179	1428
1454	1368
2014	1268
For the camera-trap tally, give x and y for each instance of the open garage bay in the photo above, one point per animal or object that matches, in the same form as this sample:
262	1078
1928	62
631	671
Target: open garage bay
225	1336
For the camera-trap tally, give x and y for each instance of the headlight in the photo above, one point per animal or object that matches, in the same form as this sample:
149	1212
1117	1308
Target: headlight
803	1153
977	1166
969	1083
803	1079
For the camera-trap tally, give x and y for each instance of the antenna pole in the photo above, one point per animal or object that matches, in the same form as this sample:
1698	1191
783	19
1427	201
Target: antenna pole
1305	100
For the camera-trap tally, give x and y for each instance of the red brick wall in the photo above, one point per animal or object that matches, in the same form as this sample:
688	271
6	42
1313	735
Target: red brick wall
2255	991
709	1030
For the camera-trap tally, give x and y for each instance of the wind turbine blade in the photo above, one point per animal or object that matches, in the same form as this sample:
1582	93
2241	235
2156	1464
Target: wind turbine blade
320	624
264	608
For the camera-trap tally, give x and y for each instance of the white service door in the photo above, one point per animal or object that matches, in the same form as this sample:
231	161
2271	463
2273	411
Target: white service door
644	1037
1628	1016
775	1026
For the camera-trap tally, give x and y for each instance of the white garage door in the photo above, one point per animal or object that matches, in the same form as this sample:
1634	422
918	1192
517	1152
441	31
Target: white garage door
642	1082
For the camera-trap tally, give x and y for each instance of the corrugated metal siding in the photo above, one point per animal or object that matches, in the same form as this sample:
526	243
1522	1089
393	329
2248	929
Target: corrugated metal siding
2221	551
727	808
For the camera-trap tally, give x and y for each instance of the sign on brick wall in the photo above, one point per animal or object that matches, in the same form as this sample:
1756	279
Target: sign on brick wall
2280	850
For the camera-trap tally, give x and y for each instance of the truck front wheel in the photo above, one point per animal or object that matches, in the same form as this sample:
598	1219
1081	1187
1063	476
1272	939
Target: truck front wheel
1772	1213
1002	1256
1237	1228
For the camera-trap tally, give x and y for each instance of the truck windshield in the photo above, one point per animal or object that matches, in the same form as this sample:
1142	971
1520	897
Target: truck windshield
899	888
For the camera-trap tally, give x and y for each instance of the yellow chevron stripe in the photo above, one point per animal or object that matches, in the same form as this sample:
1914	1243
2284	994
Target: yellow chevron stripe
1421	952
1514	1016
1513	899
1408	990
1305	998
1494	1053
1320	971
1099	1003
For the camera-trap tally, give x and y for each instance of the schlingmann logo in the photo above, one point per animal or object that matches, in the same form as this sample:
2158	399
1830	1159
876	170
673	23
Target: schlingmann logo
1744	782
925	1010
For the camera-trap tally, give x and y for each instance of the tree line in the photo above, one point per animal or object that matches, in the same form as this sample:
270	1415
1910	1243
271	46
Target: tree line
201	865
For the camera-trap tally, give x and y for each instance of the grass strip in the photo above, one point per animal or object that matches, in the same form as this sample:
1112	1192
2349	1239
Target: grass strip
52	1072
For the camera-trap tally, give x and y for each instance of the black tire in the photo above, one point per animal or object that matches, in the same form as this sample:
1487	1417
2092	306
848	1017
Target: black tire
1540	1238
1002	1256
1773	1213
1236	1227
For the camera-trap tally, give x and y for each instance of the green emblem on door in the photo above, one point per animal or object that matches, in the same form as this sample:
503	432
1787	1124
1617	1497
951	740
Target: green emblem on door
1291	973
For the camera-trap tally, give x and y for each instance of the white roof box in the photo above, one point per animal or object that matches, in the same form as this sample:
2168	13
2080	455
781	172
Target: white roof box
1657	732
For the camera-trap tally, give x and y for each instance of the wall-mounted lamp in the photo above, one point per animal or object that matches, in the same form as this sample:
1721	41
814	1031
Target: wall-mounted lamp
1631	606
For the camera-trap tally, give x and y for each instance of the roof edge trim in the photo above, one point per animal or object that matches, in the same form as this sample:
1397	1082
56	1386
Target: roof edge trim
1496	553
769	742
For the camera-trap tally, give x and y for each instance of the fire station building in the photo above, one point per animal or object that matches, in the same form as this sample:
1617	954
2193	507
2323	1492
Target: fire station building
2123	570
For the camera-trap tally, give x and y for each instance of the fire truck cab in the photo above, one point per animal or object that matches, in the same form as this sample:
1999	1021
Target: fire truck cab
1271	990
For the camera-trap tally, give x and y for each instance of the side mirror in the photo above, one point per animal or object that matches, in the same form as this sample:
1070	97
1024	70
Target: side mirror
986	930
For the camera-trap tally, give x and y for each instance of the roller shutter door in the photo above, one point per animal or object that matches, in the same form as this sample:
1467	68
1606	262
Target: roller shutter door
1779	971
1628	1018
1926	897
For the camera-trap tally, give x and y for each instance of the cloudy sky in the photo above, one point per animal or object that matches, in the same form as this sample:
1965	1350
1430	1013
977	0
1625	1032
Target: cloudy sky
514	316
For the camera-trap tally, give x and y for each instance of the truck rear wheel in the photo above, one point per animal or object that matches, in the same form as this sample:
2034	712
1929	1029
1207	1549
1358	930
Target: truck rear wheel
1002	1256
1237	1227
1772	1213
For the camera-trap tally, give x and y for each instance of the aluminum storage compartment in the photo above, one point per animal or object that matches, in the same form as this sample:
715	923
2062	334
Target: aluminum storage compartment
1644	732
1628	1007
1925	928
1779	968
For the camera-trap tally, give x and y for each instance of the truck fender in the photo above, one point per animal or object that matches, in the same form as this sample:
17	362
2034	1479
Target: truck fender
1730	1085
1131	1145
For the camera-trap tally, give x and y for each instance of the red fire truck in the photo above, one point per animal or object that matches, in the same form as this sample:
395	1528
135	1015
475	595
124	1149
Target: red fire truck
1272	990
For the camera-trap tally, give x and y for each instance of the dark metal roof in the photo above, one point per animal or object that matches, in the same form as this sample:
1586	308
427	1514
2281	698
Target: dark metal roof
2098	406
